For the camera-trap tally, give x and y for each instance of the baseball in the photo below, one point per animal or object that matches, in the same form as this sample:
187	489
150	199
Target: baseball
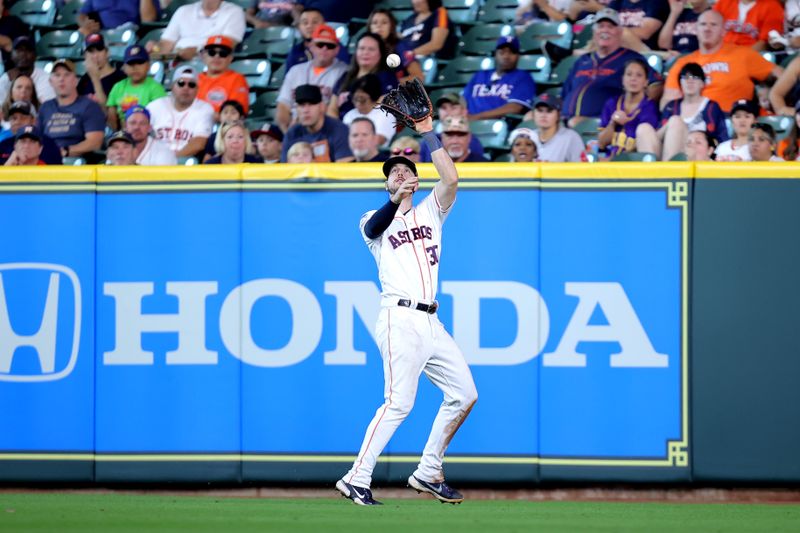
393	60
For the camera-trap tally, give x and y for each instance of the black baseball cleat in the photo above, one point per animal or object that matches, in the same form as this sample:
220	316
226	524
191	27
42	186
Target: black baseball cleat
359	495
441	491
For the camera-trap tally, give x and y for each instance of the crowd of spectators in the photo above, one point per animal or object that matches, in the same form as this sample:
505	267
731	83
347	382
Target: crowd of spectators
665	79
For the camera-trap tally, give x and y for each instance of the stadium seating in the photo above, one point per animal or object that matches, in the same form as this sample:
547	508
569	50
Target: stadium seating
491	132
430	67
35	12
66	16
60	44
646	157
263	108
781	124
459	71
588	129
462	12
490	14
536	34
537	65
117	41
274	41
481	40
257	72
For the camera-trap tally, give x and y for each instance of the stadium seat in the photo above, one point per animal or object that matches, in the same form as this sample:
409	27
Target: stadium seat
276	40
558	75
489	14
394	4
117	41
188	161
536	34
461	69
152	35
537	65
780	123
264	106
430	67
680	156
244	4
788	59
504	158
351	46
342	32
582	38
526	124
646	157
73	161
157	70
35	12
491	132
588	129
67	16
655	61
481	40
276	79
60	44
257	72
462	12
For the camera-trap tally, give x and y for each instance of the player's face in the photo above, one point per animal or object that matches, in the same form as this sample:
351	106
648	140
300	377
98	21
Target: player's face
381	25
309	22
397	175
505	59
456	143
761	146
710	28
368	53
138	126
697	148
121	153
634	79
545	117
607	35
64	82
524	150
362	139
22	89
28	149
268	148
742	122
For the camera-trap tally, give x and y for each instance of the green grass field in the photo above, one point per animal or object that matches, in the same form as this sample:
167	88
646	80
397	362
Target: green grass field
118	513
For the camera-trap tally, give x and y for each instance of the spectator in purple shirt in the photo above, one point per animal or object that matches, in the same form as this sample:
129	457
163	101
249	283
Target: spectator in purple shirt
629	121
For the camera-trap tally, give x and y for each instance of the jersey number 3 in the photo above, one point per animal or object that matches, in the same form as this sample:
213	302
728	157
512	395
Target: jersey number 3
433	252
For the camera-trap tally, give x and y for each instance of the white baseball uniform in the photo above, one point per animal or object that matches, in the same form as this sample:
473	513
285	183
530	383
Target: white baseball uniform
413	341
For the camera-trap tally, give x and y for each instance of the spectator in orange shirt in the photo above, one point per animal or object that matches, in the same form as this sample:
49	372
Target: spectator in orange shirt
752	27
219	83
729	69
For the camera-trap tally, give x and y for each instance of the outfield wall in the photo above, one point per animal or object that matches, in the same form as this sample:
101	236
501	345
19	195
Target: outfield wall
623	322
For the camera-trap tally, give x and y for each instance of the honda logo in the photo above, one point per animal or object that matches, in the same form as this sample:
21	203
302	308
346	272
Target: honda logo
26	322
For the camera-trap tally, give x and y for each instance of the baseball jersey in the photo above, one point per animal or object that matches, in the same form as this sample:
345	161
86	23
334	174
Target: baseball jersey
156	153
177	127
763	16
125	95
489	90
190	27
230	85
408	252
592	81
709	117
730	72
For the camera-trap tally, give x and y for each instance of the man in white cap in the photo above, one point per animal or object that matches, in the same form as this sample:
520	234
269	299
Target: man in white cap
181	119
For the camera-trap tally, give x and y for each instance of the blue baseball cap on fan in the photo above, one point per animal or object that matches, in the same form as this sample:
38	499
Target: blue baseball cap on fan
508	41
137	109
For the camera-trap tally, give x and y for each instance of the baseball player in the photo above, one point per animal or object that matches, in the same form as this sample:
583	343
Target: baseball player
406	243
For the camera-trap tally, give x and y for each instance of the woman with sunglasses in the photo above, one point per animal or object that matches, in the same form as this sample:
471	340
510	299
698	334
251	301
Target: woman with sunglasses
690	113
429	31
370	58
382	22
366	92
407	147
233	146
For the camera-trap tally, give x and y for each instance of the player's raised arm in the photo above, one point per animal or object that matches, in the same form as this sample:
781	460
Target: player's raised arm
447	185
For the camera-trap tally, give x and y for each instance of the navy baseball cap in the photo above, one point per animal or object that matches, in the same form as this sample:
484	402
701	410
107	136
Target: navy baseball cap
135	53
508	41
23	107
271	130
28	132
23	40
121	135
550	100
307	94
137	109
94	41
743	105
396	160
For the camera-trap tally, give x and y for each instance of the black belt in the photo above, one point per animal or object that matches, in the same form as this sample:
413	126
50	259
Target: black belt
430	309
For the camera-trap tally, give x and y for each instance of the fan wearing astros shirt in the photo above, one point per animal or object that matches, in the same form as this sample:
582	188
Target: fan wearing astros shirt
219	83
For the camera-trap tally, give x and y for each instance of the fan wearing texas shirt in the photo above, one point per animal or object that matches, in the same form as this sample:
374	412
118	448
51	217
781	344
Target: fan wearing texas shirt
729	69
219	83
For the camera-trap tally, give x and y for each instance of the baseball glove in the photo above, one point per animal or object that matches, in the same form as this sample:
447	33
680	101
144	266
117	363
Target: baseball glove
409	103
